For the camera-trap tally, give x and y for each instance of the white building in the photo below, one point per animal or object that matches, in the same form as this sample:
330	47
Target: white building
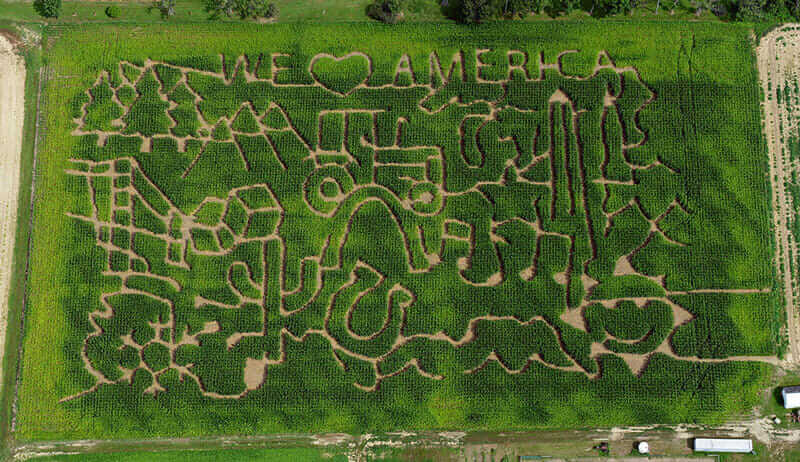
791	397
723	445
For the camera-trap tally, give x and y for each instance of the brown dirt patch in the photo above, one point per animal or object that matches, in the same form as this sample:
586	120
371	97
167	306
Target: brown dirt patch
777	57
12	116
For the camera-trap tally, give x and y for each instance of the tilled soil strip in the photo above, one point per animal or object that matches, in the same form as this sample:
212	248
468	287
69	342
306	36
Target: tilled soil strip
778	55
12	116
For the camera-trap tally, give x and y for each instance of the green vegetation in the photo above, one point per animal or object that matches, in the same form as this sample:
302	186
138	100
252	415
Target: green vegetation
47	8
244	9
113	11
379	189
19	268
213	455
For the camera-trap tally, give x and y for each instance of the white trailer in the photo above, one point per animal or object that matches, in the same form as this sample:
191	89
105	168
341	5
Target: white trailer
791	397
723	445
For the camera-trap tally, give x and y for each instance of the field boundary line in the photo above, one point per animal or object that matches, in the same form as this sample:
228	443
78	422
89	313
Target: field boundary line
24	308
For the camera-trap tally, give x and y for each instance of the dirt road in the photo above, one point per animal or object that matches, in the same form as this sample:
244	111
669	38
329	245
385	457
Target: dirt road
778	57
12	115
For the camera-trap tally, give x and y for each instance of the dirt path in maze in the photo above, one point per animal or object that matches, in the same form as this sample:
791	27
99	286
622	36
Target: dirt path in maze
12	116
778	57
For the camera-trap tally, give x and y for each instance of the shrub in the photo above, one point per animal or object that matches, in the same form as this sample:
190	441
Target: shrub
611	7
701	6
567	6
272	11
388	11
47	8
750	10
113	11
478	11
166	7
521	8
254	9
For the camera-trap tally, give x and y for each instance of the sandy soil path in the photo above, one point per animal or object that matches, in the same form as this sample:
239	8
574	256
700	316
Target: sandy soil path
12	115
778	57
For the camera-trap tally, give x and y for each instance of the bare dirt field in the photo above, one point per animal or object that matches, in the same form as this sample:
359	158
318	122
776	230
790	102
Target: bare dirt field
12	114
778	58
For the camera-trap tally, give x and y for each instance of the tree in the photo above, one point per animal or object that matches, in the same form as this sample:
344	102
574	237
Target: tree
794	9
113	11
568	6
219	7
521	8
388	11
47	8
255	9
701	6
166	7
243	8
611	7
477	11
750	10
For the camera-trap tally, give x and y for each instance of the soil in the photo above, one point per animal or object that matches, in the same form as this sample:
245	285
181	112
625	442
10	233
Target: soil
777	57
12	116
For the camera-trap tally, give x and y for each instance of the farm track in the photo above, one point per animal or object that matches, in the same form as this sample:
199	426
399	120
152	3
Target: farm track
778	56
12	115
669	439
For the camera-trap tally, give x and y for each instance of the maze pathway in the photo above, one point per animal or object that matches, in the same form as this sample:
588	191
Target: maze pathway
413	228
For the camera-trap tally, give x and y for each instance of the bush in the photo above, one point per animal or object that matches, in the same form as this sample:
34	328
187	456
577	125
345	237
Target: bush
751	10
47	8
478	11
113	11
521	8
567	6
388	11
701	6
611	7
166	7
254	9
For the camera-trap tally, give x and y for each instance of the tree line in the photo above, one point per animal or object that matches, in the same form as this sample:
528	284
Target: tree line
479	11
243	9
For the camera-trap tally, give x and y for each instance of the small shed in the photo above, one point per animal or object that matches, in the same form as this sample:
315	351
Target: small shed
791	397
723	445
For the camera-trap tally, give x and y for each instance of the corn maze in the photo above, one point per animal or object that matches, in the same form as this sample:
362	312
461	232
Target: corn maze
523	198
269	235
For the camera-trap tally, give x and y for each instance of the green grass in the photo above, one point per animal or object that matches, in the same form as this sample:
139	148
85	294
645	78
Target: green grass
763	454
17	294
705	174
232	455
